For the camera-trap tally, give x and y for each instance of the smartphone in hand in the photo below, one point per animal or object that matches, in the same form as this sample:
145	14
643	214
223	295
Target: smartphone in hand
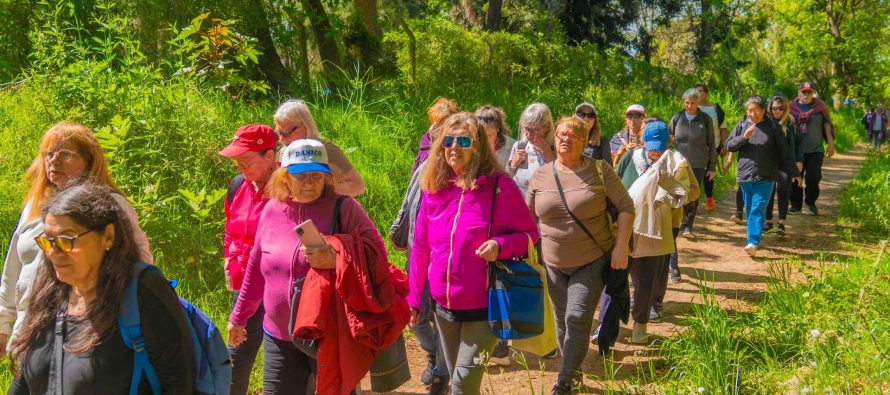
309	234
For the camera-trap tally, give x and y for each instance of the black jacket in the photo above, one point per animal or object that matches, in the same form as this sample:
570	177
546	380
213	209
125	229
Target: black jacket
763	154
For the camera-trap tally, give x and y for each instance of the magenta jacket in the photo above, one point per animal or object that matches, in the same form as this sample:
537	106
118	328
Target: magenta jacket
242	218
275	260
451	225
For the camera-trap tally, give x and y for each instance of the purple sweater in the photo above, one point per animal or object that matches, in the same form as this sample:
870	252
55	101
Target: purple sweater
275	260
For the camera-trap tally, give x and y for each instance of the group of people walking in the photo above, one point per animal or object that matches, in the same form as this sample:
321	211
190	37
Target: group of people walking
324	311
877	125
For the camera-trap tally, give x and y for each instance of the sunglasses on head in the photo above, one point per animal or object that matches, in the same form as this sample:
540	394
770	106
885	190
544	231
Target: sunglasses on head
582	114
63	243
462	141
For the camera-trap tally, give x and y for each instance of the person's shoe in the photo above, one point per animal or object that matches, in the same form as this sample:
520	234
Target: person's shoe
737	219
768	227
639	334
709	204
675	275
595	336
439	385
500	356
561	389
780	230
812	210
551	354
751	250
794	210
654	315
687	234
426	377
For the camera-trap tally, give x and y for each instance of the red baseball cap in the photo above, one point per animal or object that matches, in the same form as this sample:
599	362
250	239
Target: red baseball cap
252	137
806	86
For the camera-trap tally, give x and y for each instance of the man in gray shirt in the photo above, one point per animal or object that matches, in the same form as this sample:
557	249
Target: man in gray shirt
813	123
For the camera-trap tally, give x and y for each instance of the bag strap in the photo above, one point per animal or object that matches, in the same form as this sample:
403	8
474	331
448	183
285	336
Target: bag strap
562	196
130	326
335	218
234	184
57	363
494	198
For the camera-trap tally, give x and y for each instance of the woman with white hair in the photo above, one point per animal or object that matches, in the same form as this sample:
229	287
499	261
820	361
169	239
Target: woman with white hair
693	133
535	146
293	121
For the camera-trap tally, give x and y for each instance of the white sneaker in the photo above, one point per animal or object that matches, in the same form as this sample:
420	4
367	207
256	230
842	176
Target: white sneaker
639	334
751	250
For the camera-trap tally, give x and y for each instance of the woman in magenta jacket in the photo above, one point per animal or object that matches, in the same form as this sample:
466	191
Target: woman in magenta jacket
451	244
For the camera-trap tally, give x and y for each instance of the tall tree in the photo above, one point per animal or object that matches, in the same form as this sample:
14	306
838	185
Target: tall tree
494	15
601	22
256	24
324	36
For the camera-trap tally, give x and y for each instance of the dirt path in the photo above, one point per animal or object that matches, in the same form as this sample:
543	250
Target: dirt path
715	255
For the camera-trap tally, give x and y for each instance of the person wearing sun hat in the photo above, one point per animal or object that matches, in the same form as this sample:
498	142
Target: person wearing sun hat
629	138
660	181
253	151
302	188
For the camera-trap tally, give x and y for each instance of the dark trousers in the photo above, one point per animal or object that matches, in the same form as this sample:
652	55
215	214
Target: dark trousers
286	369
690	209
244	355
812	175
709	187
783	190
644	273
661	285
739	203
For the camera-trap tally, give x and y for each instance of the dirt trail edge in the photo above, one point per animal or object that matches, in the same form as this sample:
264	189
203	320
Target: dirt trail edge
715	255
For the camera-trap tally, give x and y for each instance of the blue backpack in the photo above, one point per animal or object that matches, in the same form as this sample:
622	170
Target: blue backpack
211	366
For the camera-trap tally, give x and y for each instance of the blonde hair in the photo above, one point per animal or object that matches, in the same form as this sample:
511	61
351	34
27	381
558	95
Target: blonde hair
438	171
298	111
278	189
41	190
575	124
440	110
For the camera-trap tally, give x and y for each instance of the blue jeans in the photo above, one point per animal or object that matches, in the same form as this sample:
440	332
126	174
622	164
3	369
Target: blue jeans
756	195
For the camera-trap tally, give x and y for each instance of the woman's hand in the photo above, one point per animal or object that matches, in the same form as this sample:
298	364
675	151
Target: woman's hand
488	251
518	159
320	257
711	175
415	317
799	166
748	132
237	334
619	257
799	182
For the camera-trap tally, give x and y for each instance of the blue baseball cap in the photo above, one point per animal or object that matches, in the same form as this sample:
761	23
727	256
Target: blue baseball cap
656	136
305	155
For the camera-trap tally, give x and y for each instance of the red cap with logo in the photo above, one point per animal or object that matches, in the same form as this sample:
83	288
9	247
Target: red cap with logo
252	137
806	86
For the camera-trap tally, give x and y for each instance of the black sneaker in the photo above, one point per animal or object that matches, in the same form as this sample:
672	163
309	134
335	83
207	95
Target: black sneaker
781	230
561	389
768	227
439	386
794	210
812	210
552	354
500	356
427	376
654	315
675	274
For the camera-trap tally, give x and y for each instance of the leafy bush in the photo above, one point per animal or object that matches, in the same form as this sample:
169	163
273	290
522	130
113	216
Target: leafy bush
866	201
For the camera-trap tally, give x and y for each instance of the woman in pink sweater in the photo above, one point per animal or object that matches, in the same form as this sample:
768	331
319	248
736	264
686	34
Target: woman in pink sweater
452	248
301	189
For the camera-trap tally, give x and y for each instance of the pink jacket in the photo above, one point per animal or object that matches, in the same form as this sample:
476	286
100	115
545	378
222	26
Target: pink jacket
451	225
242	218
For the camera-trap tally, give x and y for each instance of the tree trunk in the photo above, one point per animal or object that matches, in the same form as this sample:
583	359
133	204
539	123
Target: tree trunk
324	37
412	48
303	50
841	69
368	9
256	24
493	18
469	12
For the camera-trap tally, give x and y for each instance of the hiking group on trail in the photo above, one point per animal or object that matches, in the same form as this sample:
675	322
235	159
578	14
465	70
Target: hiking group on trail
512	246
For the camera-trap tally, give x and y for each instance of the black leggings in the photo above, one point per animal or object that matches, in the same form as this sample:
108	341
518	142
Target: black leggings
286	369
783	189
709	186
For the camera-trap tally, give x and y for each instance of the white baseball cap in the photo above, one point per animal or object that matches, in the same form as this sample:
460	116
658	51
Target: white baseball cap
305	155
635	108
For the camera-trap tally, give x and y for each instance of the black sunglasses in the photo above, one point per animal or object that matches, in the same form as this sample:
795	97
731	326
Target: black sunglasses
780	108
485	119
583	114
287	133
63	243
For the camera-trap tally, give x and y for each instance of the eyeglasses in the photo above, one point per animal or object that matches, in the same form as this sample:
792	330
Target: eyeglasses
780	108
315	176
462	141
532	130
633	115
64	155
567	136
485	119
63	243
289	132
582	114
